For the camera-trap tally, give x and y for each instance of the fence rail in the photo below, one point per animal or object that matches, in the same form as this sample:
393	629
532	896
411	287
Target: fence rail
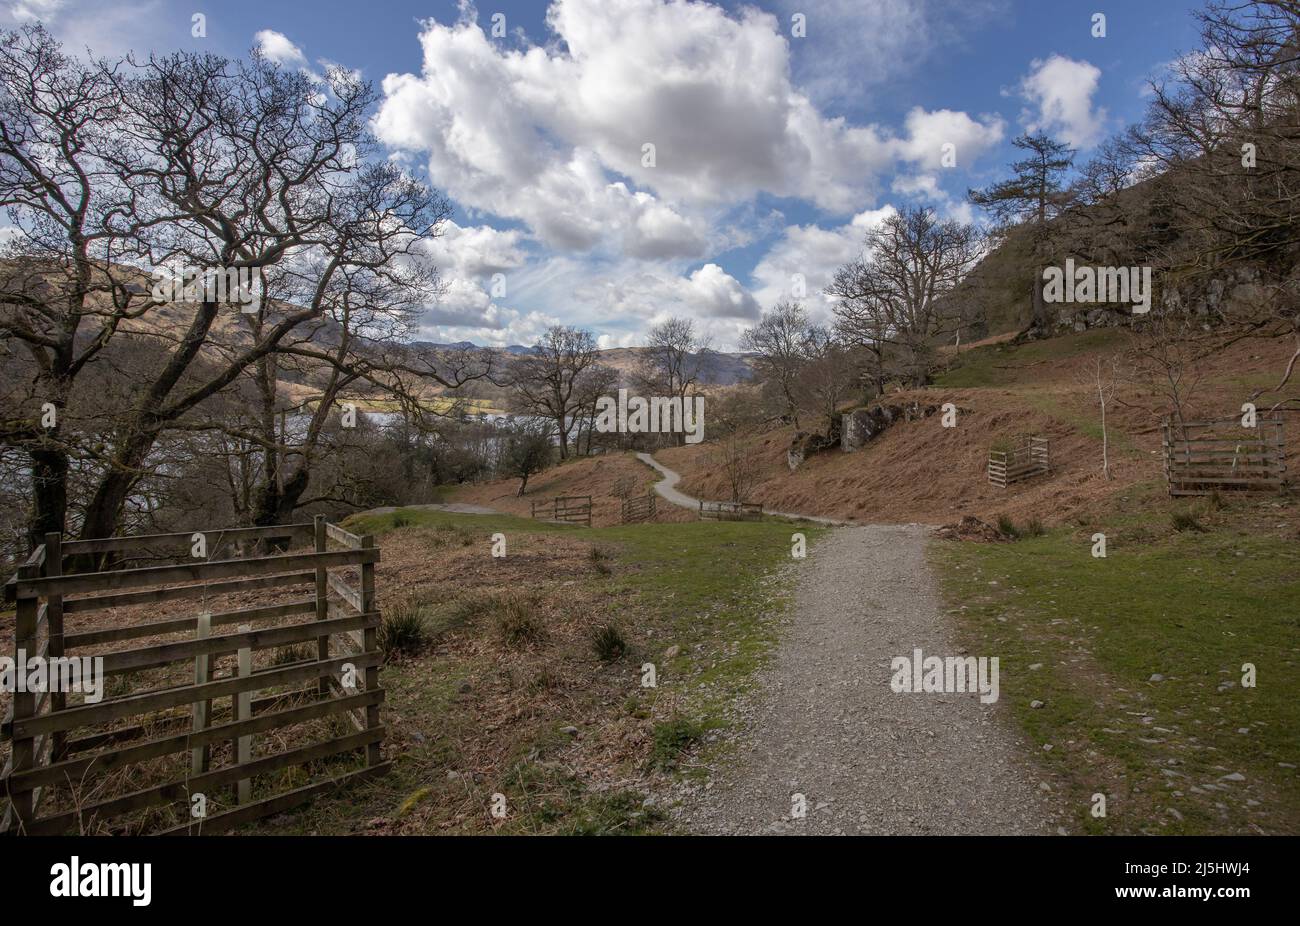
1202	457
638	509
181	716
571	509
730	511
1011	466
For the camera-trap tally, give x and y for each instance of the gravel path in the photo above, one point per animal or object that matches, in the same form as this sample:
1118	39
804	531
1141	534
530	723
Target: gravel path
666	487
824	722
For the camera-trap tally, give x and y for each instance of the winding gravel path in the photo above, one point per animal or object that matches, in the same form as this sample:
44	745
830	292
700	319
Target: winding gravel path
666	487
824	722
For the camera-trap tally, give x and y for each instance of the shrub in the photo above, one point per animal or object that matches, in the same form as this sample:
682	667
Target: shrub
1034	528
1007	527
401	519
607	640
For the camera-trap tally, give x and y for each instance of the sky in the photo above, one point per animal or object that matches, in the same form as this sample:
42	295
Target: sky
781	130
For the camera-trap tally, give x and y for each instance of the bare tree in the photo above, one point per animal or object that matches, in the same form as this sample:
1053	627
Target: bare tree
829	375
1224	130
895	292
780	342
196	162
674	360
1102	376
549	380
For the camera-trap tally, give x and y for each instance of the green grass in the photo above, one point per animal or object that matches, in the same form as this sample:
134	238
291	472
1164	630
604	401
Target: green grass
1189	607
695	586
1004	365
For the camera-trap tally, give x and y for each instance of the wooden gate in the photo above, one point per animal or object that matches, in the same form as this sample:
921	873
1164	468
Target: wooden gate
641	508
572	509
173	745
1208	456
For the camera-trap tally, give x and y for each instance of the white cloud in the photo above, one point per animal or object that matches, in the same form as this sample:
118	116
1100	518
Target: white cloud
814	253
472	252
553	135
1062	90
33	10
651	295
277	47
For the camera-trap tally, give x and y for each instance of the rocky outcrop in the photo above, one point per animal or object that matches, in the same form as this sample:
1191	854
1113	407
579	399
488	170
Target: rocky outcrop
860	426
805	445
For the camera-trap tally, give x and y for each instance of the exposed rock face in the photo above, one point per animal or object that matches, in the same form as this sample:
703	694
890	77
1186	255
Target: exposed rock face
866	423
805	445
1238	289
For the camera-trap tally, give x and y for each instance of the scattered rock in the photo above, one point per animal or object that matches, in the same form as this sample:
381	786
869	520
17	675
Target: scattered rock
970	528
672	651
1036	704
1156	677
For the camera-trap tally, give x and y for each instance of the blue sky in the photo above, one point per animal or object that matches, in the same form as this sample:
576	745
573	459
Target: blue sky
773	153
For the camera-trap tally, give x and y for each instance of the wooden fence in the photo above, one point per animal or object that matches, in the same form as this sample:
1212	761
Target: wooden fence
172	745
572	509
641	508
1207	456
730	511
1031	459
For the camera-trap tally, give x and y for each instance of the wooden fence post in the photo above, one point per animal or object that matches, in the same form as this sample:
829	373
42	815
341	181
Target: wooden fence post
322	602
24	703
373	751
199	755
243	711
54	622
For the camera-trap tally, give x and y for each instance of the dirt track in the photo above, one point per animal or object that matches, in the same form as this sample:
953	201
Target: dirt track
825	723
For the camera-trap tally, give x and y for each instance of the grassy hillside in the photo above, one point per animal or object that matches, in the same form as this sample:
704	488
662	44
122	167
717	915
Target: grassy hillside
920	471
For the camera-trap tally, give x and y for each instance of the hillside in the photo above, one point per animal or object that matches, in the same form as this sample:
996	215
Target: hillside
919	471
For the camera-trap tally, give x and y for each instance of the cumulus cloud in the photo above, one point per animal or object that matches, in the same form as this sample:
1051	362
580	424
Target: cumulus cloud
473	252
1061	90
651	295
556	135
277	47
806	257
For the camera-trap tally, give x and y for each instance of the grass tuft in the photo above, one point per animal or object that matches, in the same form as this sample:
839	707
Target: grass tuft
405	628
1185	521
607	640
519	622
671	739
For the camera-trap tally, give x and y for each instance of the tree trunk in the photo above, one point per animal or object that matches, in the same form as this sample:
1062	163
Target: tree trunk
564	439
103	515
49	493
